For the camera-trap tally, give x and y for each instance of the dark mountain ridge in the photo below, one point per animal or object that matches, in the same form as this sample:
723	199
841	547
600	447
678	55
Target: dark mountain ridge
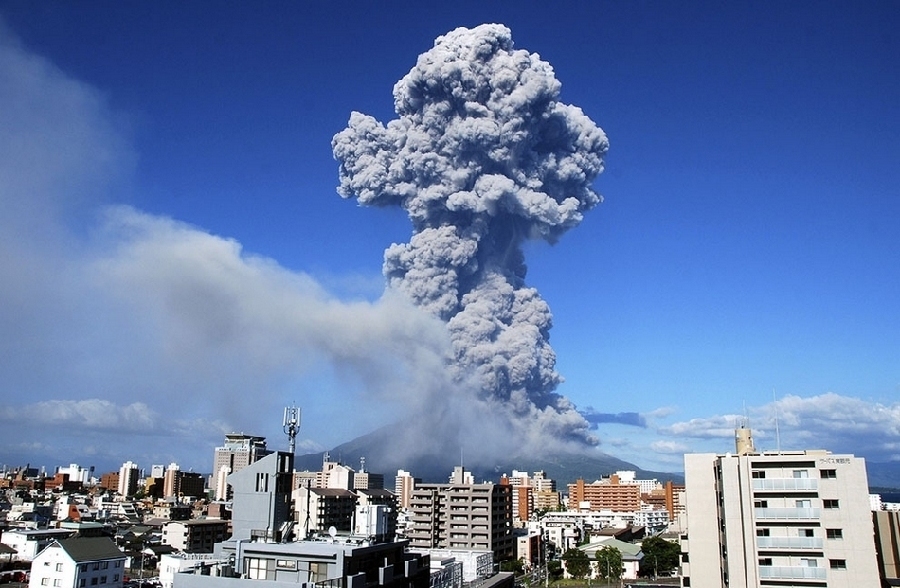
381	456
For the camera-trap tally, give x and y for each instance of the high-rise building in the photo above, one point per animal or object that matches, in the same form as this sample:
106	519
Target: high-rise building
238	452
170	480
608	494
462	515
128	479
180	484
531	492
404	484
786	518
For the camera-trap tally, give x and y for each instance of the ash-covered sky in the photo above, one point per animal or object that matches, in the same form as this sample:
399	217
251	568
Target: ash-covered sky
177	262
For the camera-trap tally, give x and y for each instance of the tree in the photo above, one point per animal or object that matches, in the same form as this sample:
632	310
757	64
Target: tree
577	563
660	556
554	569
517	566
609	562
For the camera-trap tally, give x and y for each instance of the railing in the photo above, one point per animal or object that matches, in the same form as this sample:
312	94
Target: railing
792	572
789	542
785	484
786	513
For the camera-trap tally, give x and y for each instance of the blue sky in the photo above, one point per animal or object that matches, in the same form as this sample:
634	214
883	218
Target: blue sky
179	265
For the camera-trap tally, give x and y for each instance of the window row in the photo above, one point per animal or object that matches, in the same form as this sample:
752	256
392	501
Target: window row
798	474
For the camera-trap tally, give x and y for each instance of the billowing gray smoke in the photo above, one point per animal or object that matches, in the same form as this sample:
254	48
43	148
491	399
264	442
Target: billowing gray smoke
482	156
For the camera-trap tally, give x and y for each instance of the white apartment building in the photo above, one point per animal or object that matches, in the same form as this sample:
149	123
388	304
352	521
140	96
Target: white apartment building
788	518
81	562
128	478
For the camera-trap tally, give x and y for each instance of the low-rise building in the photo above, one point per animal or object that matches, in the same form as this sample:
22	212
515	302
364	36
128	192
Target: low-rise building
195	536
79	562
28	543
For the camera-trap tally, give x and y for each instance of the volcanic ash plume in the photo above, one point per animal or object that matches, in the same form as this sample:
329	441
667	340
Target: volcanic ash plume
482	156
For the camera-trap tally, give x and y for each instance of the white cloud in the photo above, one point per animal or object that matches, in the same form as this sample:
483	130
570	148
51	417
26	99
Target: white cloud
842	424
118	325
670	447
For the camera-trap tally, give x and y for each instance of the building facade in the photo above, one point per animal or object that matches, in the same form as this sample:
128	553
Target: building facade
794	518
463	516
238	452
195	536
128	479
608	494
81	562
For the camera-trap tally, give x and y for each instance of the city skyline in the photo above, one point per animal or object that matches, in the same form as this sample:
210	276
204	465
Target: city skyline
178	264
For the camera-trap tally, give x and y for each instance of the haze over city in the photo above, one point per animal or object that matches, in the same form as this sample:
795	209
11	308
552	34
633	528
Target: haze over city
178	263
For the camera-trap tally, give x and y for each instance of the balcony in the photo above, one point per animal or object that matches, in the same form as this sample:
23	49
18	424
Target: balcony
785	484
789	543
786	514
791	572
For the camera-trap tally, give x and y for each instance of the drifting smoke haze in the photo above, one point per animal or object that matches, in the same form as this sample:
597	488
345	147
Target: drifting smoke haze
482	156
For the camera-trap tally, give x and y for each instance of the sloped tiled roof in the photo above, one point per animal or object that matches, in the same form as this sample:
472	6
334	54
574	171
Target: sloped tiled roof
91	549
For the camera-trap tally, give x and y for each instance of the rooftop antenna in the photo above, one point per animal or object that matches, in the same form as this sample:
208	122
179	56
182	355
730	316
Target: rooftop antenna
291	425
362	464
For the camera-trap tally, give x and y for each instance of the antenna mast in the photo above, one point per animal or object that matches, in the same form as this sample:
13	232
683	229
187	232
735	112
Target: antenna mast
291	425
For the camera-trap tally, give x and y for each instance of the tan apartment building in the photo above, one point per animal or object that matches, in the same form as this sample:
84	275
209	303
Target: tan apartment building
462	516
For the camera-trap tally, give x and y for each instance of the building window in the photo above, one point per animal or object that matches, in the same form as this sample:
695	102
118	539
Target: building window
45	581
761	503
258	568
758	474
57	582
83	567
837	564
103	579
93	581
828	474
804	503
801	474
834	533
762	532
765	561
104	565
116	578
805	532
686	581
81	584
96	565
808	562
830	503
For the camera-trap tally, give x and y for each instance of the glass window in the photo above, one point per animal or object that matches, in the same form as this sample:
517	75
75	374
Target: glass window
837	564
803	503
762	532
801	474
45	581
830	503
828	473
758	474
834	533
57	582
765	561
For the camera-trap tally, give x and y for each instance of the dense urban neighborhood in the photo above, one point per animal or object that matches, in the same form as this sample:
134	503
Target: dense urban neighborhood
798	518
